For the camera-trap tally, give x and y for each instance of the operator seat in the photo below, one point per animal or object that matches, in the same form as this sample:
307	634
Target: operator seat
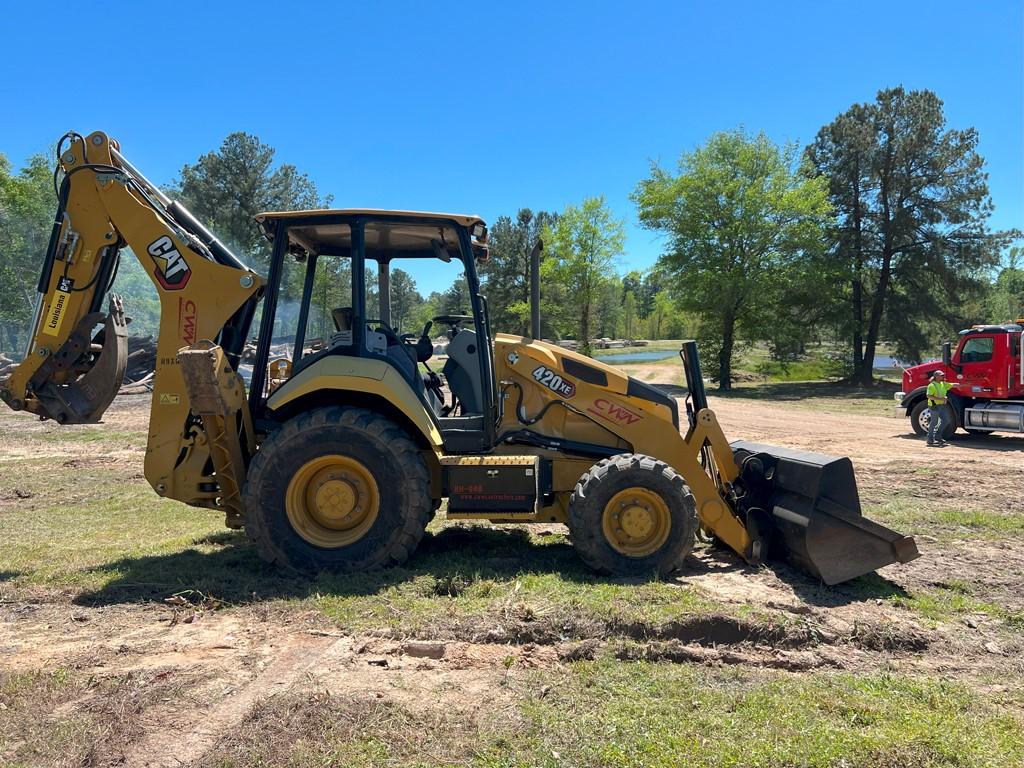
342	317
397	352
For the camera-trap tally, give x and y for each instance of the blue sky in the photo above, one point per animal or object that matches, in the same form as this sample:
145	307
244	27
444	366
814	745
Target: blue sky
469	108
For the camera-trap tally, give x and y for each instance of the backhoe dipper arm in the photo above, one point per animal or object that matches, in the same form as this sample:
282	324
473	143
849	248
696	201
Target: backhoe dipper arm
71	371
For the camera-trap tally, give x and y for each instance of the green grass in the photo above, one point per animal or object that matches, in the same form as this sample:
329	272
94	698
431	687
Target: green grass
802	383
982	522
915	515
98	535
611	714
662	714
105	716
74	527
953	599
95	531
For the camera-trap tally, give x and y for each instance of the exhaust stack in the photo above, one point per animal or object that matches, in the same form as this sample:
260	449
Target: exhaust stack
535	288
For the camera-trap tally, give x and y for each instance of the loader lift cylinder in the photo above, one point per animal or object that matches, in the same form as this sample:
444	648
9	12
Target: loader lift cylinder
694	378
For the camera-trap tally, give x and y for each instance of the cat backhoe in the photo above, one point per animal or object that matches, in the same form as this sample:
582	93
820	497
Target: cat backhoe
334	452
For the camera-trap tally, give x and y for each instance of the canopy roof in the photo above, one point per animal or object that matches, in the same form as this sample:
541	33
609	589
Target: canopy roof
466	220
326	231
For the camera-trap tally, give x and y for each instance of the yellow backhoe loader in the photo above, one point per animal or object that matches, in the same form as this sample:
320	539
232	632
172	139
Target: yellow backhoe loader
335	454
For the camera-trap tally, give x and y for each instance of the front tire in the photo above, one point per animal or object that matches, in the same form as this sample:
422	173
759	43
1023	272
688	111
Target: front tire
341	489
919	421
632	515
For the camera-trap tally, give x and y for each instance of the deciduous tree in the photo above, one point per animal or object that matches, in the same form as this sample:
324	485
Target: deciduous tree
742	222
506	275
27	205
580	253
405	300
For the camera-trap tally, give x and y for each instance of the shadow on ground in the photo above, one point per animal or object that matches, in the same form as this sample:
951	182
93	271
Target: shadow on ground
992	442
234	573
453	557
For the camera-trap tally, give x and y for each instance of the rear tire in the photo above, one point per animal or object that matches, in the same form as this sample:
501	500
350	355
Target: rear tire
327	462
632	515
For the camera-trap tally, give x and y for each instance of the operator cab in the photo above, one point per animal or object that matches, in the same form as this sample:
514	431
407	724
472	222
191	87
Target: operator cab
388	285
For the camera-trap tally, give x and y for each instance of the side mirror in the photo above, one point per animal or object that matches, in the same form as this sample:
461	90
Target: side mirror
947	355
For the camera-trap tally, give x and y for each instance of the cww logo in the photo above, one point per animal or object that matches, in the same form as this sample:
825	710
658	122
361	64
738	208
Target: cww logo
613	412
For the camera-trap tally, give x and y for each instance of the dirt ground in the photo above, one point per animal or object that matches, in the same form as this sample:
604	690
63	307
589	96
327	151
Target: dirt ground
195	674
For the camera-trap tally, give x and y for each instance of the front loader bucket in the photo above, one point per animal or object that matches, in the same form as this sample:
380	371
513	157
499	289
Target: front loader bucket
812	506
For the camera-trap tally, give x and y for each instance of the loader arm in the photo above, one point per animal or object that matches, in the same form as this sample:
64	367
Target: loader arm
606	408
75	360
761	501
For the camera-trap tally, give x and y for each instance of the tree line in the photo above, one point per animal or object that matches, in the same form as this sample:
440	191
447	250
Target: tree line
878	229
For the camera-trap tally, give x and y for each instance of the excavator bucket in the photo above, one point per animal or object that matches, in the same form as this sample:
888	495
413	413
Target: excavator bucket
93	369
811	504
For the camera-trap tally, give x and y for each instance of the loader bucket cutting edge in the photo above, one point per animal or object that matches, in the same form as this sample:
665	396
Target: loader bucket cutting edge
812	503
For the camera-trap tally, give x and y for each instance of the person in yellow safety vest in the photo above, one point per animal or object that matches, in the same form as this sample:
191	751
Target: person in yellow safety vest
938	407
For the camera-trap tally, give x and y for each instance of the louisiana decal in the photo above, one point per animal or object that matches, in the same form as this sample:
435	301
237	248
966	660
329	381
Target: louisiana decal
56	312
172	271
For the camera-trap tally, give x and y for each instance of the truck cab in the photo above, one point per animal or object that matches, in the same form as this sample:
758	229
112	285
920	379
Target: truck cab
985	366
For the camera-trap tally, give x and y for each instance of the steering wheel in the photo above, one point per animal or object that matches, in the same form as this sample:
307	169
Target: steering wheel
453	322
423	347
452	319
385	329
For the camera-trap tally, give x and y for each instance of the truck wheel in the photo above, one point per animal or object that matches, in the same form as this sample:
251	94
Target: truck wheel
918	417
919	421
340	489
632	515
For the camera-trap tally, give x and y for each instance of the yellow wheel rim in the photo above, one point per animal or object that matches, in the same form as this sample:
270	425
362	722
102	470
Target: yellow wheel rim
332	501
636	522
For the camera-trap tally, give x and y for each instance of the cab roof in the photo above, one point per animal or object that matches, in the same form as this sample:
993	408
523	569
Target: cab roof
388	234
465	220
1005	328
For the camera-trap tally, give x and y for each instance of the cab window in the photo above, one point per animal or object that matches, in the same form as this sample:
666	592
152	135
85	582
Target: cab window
977	349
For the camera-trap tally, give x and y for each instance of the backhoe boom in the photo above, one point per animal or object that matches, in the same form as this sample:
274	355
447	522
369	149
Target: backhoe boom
76	358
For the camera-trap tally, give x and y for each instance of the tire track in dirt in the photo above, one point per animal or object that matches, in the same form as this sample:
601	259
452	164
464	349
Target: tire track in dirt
194	733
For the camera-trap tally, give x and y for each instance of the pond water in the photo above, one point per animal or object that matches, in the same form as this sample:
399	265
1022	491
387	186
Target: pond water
885	361
645	356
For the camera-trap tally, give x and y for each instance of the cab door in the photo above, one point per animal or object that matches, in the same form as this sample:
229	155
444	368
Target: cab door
975	376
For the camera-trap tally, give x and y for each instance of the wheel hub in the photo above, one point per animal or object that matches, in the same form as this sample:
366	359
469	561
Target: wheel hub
636	522
332	501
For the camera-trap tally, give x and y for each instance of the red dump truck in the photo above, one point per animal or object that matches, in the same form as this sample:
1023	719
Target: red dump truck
986	367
